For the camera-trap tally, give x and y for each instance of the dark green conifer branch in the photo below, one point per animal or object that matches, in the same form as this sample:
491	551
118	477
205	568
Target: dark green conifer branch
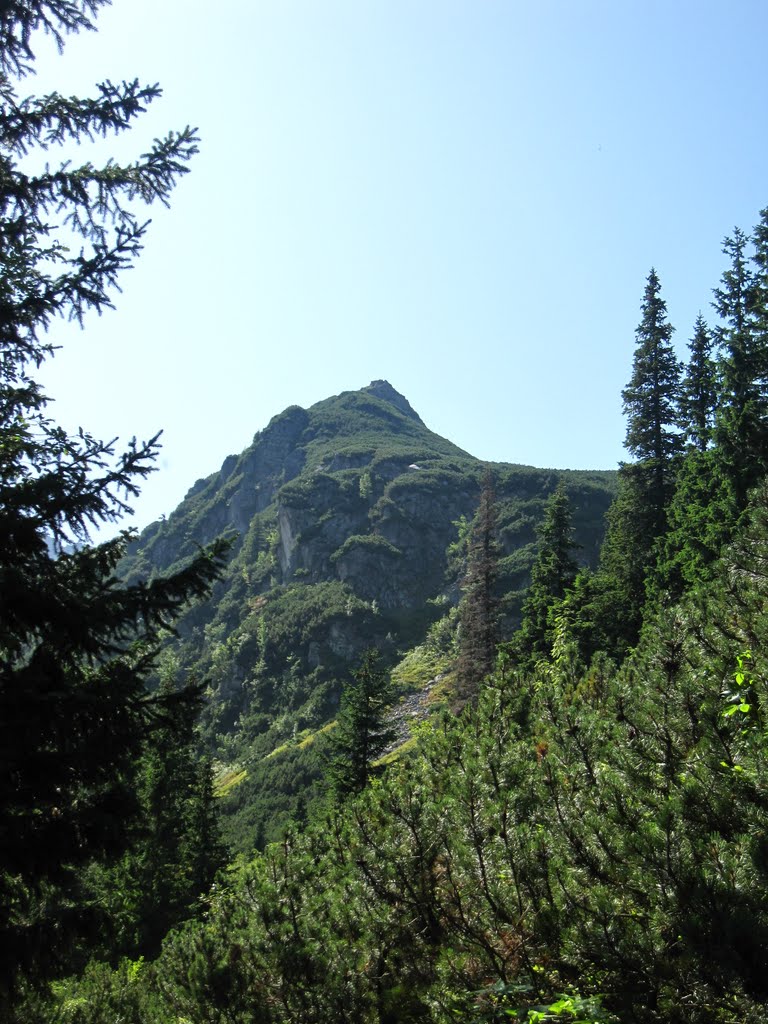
76	647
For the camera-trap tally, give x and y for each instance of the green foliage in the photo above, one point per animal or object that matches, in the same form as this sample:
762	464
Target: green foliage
637	520
176	848
373	424
457	549
552	575
478	611
326	493
651	397
274	643
702	516
741	424
625	561
277	791
504	1002
699	392
362	733
584	843
76	648
434	657
103	993
366	485
368	542
724	414
578	846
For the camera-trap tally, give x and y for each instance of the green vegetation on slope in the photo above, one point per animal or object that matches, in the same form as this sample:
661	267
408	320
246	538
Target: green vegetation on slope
583	840
344	525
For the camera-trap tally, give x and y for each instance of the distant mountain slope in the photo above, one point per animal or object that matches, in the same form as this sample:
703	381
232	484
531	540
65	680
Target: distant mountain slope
374	429
341	517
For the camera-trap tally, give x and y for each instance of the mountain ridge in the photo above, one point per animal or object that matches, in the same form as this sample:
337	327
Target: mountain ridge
346	525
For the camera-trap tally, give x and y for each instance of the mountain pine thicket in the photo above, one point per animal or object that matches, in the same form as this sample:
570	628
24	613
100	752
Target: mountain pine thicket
585	841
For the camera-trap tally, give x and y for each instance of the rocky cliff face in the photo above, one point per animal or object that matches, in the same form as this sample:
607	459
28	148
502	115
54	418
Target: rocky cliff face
341	516
383	389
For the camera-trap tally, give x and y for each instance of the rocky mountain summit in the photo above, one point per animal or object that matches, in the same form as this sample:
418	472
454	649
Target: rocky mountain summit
383	389
358	495
359	490
346	522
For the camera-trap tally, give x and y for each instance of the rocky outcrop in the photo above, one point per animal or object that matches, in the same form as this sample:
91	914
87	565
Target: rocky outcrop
342	516
228	500
383	389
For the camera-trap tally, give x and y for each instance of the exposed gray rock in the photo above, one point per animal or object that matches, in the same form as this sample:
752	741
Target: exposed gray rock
383	389
342	516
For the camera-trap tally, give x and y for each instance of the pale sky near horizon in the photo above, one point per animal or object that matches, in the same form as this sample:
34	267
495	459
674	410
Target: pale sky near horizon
464	198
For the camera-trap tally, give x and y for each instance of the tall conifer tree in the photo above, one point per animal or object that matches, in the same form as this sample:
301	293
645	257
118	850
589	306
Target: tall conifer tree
760	289
741	426
700	514
650	403
553	572
75	647
478	612
638	517
362	732
699	392
177	848
625	559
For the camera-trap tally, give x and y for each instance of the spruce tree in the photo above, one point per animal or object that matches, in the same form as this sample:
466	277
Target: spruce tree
699	392
75	646
741	426
626	556
700	512
638	517
650	402
204	851
701	518
362	732
553	573
176	848
730	457
479	608
760	285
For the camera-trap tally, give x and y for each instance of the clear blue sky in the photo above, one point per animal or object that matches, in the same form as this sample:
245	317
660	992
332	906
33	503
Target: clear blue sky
462	198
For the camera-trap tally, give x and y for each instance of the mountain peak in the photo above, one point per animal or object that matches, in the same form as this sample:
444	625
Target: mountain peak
383	389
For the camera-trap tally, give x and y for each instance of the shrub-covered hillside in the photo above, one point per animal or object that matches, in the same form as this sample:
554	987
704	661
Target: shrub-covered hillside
586	844
586	840
349	523
439	741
